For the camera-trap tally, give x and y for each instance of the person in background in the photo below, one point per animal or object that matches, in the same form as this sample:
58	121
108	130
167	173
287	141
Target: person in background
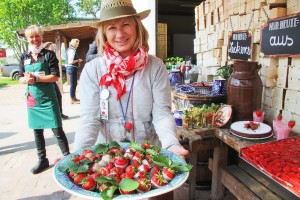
133	84
39	70
72	63
50	46
92	52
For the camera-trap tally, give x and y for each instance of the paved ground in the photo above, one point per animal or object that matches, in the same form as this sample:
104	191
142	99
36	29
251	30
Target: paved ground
18	152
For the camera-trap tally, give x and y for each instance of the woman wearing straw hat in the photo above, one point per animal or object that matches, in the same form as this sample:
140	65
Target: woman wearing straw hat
134	85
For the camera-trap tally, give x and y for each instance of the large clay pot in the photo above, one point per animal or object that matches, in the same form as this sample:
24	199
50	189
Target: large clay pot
244	90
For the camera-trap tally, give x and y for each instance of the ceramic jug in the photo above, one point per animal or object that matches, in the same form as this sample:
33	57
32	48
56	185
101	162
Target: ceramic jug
244	90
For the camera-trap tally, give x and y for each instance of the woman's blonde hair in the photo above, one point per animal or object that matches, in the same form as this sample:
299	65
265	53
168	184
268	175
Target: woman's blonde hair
141	38
74	43
33	30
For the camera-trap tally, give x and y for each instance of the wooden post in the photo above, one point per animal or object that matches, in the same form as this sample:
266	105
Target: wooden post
58	55
219	162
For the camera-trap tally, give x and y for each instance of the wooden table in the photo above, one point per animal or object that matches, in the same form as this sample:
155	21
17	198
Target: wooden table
195	140
242	179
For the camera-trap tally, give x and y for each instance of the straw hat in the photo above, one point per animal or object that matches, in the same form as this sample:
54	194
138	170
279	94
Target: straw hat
114	9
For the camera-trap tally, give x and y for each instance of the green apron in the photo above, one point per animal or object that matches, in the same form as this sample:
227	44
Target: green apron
42	103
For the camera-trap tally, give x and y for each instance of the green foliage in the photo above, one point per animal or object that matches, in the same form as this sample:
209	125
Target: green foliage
6	81
19	14
224	71
89	7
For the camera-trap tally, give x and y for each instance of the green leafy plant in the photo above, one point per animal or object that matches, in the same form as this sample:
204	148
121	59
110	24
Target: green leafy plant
224	72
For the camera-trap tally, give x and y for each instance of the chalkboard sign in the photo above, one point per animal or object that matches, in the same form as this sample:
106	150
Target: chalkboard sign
240	45
281	36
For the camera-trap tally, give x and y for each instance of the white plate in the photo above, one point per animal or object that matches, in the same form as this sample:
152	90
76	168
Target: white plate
63	180
240	127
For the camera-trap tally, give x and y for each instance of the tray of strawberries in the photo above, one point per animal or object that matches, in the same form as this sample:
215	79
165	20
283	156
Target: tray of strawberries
121	171
279	160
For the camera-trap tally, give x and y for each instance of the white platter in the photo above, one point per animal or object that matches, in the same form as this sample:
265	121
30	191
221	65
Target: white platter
63	180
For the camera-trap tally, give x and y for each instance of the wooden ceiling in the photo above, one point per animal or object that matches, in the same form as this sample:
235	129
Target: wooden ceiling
81	31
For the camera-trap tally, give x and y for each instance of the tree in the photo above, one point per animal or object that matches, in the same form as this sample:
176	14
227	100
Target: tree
89	7
19	14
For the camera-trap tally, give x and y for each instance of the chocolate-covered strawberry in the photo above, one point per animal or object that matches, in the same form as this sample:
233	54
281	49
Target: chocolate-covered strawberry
88	183
158	180
168	174
121	161
144	185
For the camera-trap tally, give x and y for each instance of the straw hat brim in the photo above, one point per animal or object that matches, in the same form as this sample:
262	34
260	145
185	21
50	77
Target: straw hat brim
142	15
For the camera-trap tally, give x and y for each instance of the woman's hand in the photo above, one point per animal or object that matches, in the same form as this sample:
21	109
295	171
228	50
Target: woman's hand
179	150
29	78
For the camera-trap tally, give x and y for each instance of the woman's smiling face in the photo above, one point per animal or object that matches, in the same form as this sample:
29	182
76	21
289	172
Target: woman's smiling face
35	40
121	35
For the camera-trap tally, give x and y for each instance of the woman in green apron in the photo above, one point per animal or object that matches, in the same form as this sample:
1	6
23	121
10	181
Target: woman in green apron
39	69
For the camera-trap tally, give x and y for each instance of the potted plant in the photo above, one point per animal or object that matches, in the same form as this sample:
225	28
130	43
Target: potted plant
224	72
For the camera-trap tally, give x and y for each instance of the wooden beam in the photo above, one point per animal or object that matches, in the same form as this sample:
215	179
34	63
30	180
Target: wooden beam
58	55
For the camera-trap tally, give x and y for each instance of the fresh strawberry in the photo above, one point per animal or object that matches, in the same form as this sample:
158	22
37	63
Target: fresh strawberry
121	161
168	174
126	192
116	170
109	166
158	180
140	174
127	175
113	150
88	183
144	185
76	159
71	175
146	145
291	123
129	154
103	186
87	151
103	171
279	117
78	178
147	162
258	113
115	176
95	175
131	169
144	168
136	162
154	170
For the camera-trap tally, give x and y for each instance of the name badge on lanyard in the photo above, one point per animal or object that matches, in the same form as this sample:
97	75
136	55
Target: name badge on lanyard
104	94
104	109
27	62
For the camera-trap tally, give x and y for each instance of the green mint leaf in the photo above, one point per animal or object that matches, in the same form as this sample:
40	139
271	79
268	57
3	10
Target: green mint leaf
183	168
106	179
108	193
156	148
162	160
101	148
85	162
136	146
69	165
151	152
127	184
83	169
114	144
